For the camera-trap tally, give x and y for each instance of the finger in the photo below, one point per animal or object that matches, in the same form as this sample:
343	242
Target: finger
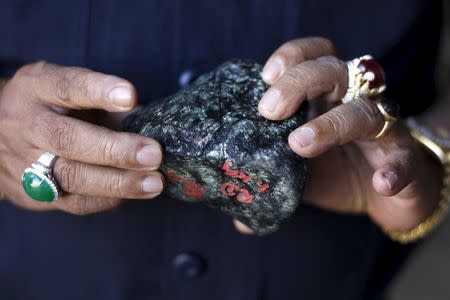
359	119
293	53
395	174
84	179
16	195
325	76
85	205
81	141
74	204
405	173
242	228
77	88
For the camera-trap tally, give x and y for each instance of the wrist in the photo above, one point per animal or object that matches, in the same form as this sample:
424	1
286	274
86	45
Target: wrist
438	145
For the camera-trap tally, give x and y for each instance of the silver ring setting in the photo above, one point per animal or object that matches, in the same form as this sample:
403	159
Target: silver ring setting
39	182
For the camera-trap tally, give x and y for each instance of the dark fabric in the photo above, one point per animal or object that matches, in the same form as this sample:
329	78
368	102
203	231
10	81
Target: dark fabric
134	251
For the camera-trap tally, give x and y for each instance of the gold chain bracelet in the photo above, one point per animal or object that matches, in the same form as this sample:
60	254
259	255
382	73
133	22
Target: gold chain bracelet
431	222
439	147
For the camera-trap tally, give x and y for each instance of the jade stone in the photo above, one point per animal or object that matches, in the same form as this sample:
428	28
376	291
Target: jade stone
221	152
37	188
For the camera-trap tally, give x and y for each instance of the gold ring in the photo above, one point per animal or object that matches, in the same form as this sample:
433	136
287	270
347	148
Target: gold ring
366	78
390	111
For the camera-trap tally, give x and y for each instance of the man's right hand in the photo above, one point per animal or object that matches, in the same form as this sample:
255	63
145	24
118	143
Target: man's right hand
97	167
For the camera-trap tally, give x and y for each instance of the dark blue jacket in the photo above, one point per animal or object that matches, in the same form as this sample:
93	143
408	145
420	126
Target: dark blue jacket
166	249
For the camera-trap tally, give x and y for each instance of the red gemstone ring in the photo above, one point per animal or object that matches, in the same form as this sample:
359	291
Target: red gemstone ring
366	78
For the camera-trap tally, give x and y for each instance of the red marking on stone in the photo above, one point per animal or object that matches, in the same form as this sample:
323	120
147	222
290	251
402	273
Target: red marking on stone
235	173
190	187
228	171
174	177
226	165
232	173
193	190
229	189
371	65
263	187
244	177
244	196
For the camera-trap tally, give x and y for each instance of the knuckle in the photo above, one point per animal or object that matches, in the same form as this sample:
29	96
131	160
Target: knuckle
111	151
61	136
115	185
334	65
32	70
63	86
305	80
73	84
291	90
338	125
106	148
89	87
79	206
295	76
120	149
369	115
295	82
68	175
92	86
27	75
83	206
104	204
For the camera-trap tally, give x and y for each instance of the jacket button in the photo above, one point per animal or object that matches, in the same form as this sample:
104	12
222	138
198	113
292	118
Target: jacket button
185	78
189	265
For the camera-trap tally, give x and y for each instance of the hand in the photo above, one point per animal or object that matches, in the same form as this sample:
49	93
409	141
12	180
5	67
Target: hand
98	167
390	179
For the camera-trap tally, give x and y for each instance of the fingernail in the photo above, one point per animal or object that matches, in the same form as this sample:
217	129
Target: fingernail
270	100
149	155
121	96
152	184
304	136
272	70
391	179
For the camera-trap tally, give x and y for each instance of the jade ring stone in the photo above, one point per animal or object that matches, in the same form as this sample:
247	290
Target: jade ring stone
39	186
38	181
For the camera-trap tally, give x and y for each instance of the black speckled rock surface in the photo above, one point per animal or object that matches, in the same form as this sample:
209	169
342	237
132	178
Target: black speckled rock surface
220	151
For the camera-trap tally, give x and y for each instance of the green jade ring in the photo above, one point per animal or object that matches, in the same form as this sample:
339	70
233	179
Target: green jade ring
38	181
